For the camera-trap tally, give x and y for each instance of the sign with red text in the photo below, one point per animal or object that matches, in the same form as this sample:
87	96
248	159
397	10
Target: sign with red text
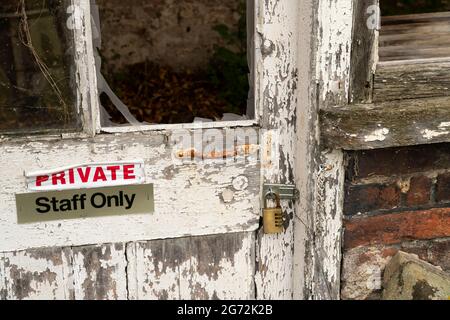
87	176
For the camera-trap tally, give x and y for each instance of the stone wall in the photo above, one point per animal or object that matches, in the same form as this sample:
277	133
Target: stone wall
177	33
396	199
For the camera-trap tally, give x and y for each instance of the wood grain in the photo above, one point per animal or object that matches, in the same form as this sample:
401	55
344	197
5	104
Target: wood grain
211	267
201	268
420	36
412	80
364	53
387	124
188	195
277	98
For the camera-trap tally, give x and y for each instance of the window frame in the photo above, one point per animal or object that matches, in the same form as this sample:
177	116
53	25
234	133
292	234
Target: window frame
87	96
376	117
90	82
365	61
83	109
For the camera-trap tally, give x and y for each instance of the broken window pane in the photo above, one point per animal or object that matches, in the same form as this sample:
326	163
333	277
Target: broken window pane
37	87
175	61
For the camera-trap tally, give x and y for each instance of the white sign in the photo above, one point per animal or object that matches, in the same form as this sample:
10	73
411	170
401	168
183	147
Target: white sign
87	176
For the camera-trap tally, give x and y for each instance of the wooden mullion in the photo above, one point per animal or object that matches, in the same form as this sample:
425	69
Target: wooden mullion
364	53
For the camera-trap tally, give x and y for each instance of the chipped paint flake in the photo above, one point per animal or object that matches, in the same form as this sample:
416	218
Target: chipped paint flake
377	135
444	125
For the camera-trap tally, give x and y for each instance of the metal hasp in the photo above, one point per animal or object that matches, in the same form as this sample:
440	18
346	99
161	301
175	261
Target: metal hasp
284	191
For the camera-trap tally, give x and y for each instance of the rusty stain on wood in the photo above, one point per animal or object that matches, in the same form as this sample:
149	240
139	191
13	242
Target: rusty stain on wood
238	151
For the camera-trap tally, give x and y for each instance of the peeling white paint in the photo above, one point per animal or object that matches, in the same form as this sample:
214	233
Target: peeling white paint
87	98
334	48
99	272
332	62
28	276
377	135
182	272
187	198
444	125
431	134
277	98
332	182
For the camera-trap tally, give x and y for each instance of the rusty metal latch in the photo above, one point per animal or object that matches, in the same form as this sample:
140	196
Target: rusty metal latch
284	191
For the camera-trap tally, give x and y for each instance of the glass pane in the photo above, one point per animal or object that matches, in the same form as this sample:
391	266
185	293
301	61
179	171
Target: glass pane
176	61
37	87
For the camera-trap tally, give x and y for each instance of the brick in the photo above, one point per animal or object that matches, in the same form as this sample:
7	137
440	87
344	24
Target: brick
398	227
443	188
419	192
369	198
398	161
436	252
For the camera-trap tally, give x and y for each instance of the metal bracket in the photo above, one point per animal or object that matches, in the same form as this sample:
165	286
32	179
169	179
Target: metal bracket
285	191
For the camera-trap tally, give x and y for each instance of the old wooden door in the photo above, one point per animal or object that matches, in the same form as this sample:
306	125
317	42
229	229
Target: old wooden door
204	240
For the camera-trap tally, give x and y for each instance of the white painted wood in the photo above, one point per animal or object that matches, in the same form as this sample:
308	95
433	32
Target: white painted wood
221	269
188	197
328	227
211	267
153	275
200	199
36	275
306	140
277	69
334	43
87	96
323	222
3	277
181	126
99	272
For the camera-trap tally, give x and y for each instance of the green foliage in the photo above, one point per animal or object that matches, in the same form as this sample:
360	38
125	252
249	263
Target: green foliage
390	7
228	68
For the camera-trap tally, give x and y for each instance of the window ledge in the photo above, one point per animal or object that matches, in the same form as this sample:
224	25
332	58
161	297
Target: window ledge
181	126
387	124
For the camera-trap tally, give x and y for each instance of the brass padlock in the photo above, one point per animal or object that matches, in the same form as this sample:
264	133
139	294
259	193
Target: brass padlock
273	218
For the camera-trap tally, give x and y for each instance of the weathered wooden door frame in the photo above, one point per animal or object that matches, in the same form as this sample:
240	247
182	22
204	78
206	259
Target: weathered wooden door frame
302	65
363	104
316	40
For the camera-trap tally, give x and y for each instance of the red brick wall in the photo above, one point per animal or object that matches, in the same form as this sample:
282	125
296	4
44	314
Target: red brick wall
395	199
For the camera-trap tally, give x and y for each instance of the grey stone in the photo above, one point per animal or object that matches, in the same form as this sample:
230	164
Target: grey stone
406	277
